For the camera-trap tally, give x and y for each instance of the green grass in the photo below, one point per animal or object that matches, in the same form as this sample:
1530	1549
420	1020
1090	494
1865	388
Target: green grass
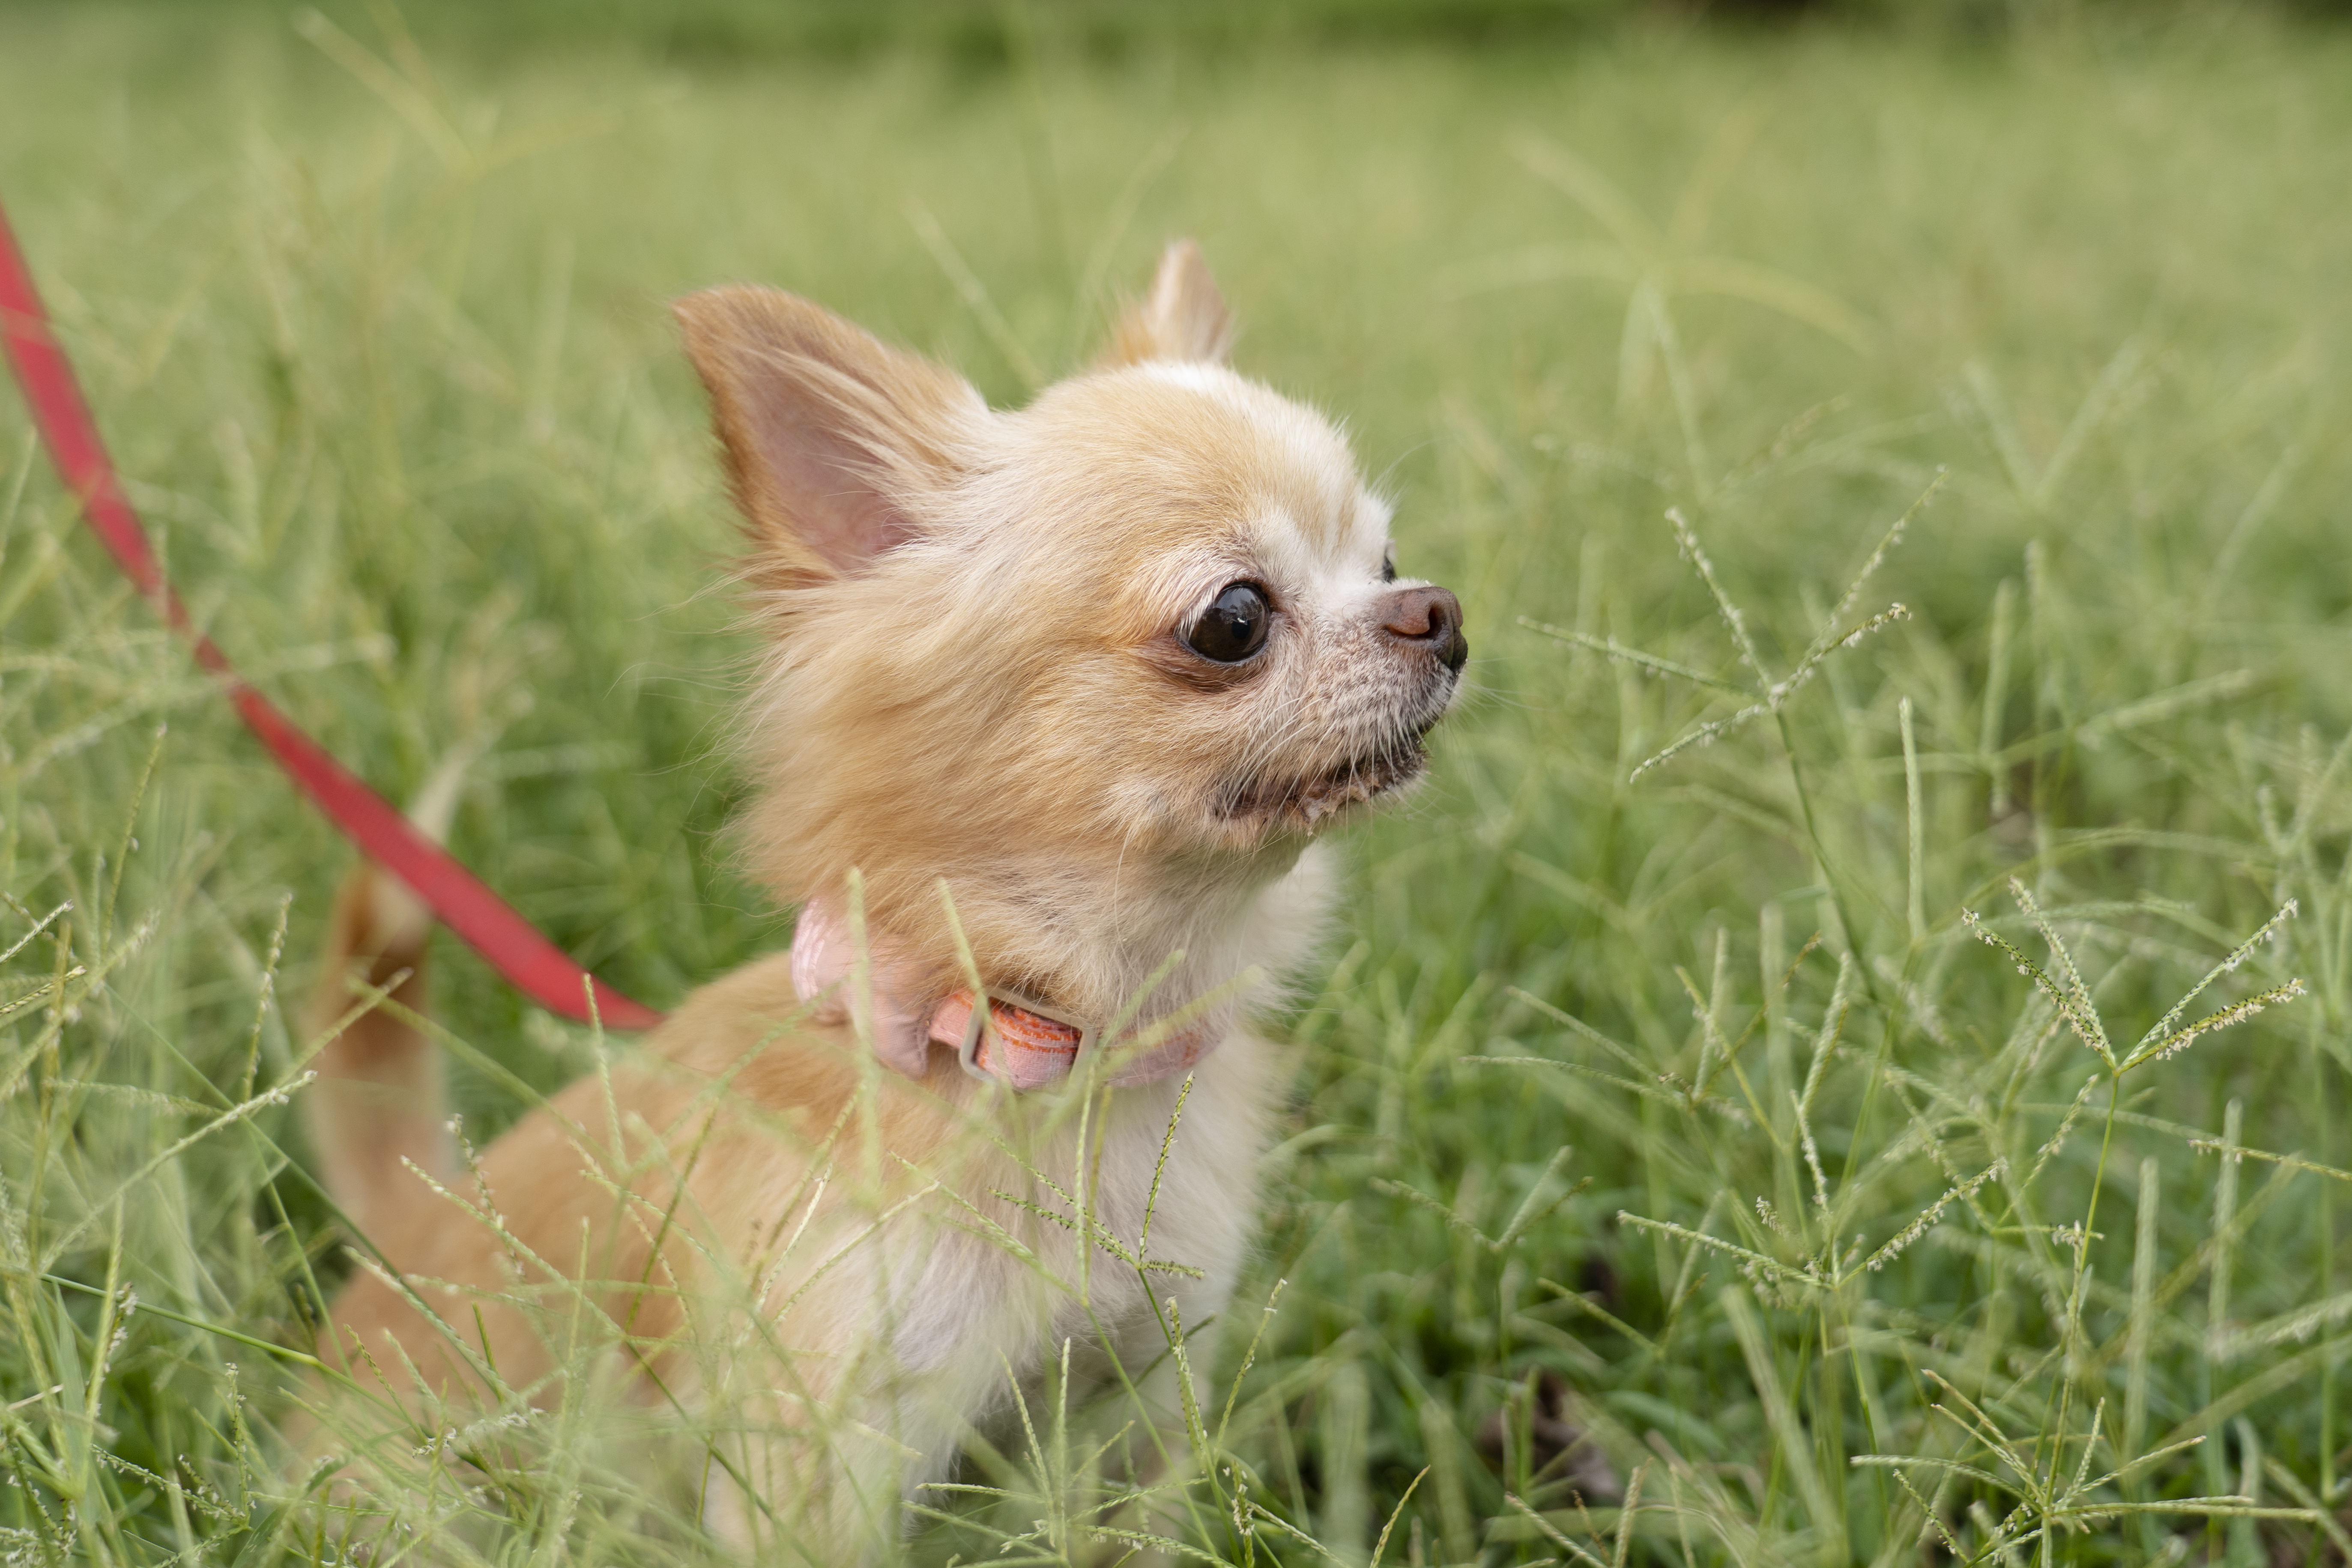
378	336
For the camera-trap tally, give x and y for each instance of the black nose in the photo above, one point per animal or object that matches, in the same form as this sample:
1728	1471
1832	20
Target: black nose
1429	615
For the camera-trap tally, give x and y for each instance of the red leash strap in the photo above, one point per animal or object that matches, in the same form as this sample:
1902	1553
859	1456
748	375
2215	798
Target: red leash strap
485	922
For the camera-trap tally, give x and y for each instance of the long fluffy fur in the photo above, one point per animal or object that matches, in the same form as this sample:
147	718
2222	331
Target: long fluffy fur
978	679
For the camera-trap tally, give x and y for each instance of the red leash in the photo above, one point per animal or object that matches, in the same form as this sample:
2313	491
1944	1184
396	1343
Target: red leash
485	922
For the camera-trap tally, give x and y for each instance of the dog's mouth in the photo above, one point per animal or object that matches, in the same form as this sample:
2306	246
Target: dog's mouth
1307	802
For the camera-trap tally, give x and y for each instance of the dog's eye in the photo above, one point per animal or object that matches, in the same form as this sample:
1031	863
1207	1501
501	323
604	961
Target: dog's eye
1233	626
1388	565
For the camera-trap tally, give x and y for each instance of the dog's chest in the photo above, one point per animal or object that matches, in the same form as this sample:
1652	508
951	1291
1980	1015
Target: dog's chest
1169	1219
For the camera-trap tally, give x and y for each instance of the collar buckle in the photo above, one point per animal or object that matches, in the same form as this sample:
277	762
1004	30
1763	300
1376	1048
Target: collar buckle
1006	1038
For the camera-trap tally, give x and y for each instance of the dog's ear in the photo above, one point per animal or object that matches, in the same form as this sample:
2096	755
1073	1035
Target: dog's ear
832	437
1185	318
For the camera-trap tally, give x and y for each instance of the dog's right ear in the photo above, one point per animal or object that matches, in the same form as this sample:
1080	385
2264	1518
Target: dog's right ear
832	437
1185	317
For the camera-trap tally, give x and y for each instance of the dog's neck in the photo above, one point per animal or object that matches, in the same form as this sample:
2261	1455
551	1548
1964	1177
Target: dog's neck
1159	975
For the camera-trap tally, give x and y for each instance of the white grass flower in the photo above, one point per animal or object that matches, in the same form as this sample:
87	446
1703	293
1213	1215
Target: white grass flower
1931	1217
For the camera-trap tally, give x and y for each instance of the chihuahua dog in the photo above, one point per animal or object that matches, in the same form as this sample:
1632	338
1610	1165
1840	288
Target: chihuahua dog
1055	705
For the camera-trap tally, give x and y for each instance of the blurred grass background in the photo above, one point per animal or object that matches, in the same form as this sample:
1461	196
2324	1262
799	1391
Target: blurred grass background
371	304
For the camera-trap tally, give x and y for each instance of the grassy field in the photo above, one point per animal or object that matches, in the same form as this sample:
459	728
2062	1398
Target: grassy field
1846	1232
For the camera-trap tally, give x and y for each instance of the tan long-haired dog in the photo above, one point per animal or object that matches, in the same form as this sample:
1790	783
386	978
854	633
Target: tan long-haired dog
1057	702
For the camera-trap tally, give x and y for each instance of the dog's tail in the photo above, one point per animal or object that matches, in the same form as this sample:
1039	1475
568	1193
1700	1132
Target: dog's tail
378	1102
377	1107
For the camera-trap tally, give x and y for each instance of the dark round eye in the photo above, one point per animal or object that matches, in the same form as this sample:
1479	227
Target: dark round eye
1233	626
1388	565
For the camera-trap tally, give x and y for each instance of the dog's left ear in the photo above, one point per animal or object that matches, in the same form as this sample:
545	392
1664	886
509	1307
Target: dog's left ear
1184	318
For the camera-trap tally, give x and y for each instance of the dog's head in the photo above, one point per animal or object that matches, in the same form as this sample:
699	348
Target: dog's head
1136	641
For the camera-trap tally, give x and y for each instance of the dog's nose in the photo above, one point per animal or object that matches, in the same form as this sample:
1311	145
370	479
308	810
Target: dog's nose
1428	616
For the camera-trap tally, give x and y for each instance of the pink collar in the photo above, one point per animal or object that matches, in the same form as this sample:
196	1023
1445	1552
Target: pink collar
1014	1041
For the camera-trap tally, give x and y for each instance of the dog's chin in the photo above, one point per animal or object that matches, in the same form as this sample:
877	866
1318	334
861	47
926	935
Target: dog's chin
1306	803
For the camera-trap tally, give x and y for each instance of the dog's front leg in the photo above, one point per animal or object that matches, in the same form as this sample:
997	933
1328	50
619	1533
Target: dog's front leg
864	1393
